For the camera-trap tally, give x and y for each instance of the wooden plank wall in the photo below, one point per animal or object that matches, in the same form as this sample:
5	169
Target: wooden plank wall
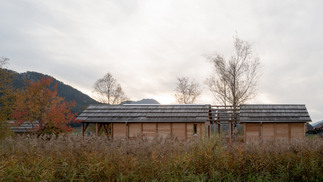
252	131
273	131
119	130
202	129
164	129
134	130
297	130
189	130
282	131
268	131
181	131
149	130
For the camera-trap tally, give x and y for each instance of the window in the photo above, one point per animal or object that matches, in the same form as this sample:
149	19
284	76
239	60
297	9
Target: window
194	129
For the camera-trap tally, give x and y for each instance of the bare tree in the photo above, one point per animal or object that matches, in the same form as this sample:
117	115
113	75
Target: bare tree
3	61
108	90
235	80
187	91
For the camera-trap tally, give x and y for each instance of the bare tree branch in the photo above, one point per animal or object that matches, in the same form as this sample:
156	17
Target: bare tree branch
3	61
108	90
187	91
235	80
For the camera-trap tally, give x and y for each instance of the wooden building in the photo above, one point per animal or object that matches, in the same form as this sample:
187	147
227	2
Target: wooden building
273	122
132	121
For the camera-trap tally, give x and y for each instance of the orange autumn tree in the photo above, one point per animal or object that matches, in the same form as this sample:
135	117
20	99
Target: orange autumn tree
40	106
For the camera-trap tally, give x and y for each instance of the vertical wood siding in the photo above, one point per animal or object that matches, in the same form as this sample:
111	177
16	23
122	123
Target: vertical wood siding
179	131
134	130
119	130
252	131
273	131
297	130
268	131
149	130
189	130
164	129
282	131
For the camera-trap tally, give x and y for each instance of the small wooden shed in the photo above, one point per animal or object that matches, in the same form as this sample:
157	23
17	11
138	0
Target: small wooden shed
273	122
131	121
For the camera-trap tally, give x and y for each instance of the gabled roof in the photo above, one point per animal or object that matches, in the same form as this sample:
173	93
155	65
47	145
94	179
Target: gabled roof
274	113
145	113
24	127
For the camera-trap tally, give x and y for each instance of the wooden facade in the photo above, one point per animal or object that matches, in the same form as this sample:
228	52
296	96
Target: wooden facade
181	131
132	121
184	122
273	122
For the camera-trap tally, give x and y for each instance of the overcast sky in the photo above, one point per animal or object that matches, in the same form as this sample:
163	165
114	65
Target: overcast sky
147	44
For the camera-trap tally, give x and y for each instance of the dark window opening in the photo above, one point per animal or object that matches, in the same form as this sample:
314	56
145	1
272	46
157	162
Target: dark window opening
195	129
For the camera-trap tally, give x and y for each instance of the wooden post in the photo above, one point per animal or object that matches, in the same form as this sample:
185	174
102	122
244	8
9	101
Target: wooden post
171	129
230	131
211	122
127	130
275	131
185	131
96	129
142	130
261	132
82	128
112	131
100	125
245	132
106	129
109	127
219	123
289	132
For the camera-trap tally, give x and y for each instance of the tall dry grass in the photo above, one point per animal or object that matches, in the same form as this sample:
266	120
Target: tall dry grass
69	158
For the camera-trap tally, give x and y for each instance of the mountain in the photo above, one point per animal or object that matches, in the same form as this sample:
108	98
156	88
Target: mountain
69	93
143	101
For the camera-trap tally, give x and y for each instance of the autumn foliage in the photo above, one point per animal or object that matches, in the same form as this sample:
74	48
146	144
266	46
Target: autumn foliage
40	105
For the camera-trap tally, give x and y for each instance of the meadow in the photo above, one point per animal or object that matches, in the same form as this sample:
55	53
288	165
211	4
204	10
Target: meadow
71	158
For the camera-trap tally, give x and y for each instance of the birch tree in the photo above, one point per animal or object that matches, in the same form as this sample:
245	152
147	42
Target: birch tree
187	91
235	80
108	90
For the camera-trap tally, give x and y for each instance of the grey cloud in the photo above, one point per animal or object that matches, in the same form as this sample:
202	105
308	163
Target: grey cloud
147	44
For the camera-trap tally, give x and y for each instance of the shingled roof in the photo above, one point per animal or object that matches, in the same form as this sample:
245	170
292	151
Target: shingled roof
145	113
22	128
274	113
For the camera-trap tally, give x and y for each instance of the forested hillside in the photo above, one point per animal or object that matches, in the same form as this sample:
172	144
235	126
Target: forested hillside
69	93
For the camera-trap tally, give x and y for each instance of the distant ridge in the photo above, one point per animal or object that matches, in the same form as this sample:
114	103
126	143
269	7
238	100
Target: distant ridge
143	101
68	92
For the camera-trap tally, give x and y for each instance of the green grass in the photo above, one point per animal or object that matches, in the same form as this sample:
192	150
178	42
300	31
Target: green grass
69	158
